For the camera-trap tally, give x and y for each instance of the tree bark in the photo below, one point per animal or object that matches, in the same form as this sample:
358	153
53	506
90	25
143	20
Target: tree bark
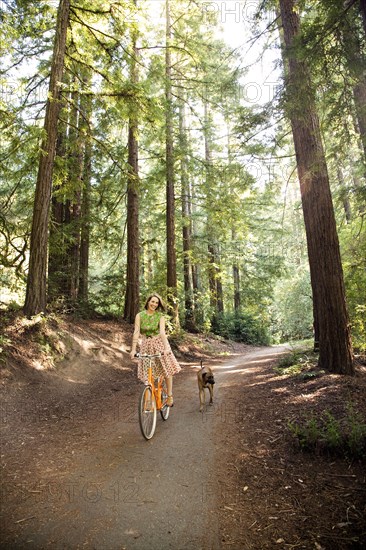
75	176
359	96
236	278
356	65
214	272
344	194
56	254
86	107
235	267
132	296
36	293
187	224
170	181
335	349
363	13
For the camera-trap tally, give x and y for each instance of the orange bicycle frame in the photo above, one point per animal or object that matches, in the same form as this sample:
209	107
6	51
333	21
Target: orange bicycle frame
156	387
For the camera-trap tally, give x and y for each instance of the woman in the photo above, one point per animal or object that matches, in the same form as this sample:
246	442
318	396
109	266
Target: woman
150	329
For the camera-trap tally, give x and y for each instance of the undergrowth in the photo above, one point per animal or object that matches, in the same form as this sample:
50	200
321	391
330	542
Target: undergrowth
299	363
328	435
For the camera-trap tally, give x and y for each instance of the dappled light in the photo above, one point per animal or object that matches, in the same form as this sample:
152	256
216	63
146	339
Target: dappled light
189	178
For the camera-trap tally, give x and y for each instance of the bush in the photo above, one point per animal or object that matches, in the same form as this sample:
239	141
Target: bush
241	327
106	294
299	363
345	437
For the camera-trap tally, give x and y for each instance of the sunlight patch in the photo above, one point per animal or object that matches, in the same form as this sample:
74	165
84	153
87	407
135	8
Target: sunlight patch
86	345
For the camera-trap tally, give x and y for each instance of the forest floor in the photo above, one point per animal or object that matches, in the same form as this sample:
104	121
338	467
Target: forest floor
76	472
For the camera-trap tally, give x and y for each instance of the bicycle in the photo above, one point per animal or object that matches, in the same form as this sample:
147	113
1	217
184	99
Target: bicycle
153	398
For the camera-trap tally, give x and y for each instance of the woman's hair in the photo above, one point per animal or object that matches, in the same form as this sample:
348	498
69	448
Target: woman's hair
161	305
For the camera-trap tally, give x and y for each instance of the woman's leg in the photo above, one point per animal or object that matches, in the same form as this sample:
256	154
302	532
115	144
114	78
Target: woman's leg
169	387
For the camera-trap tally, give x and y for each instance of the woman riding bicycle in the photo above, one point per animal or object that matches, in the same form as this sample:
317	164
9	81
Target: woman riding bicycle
150	330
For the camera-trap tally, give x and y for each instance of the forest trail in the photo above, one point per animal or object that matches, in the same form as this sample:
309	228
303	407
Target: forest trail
77	472
120	491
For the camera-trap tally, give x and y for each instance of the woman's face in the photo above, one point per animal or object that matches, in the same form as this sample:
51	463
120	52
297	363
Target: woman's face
153	303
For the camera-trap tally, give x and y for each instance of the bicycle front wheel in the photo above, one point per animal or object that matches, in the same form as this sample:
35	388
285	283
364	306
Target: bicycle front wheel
147	412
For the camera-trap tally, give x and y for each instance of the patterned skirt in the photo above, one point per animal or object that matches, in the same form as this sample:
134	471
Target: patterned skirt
166	365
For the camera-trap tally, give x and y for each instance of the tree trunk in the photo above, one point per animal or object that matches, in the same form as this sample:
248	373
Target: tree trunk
212	278
75	176
236	278
132	296
170	183
195	267
355	62
335	349
56	255
36	293
187	224
219	289
344	194
86	107
235	267
214	272
363	13
359	96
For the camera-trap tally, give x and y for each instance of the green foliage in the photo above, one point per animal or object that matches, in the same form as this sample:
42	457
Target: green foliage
307	434
4	342
353	245
298	363
254	221
327	434
356	432
241	327
106	294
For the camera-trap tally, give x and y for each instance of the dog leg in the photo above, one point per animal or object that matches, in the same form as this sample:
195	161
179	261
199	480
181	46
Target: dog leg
210	387
202	399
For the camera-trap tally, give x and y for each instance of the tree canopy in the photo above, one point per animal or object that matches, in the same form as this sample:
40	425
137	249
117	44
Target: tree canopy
172	166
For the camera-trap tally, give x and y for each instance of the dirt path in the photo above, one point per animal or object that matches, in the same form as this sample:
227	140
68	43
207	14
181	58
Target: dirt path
110	489
124	492
78	474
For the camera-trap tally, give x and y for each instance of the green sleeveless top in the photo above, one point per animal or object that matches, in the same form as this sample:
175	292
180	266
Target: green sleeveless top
149	324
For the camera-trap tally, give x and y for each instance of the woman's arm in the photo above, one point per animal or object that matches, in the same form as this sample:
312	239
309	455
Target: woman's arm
163	334
135	337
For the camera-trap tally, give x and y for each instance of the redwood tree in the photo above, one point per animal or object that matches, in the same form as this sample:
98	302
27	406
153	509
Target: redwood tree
132	296
170	180
36	293
189	321
335	349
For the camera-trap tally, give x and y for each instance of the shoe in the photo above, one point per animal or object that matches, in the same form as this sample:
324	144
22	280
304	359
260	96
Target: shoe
169	401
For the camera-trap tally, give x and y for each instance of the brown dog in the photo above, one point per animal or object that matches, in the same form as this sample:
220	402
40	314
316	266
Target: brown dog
205	379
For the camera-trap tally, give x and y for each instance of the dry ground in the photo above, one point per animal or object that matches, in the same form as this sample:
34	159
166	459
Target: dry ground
64	382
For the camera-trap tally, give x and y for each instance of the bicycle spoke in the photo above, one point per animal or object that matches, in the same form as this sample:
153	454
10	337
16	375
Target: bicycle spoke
147	413
165	410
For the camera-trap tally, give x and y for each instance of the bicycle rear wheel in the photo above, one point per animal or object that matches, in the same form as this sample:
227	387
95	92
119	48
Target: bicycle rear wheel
147	412
165	410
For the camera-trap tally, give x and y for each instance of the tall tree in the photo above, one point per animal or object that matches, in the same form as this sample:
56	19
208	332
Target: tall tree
86	113
335	349
36	293
170	179
186	221
353	46
132	296
363	13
